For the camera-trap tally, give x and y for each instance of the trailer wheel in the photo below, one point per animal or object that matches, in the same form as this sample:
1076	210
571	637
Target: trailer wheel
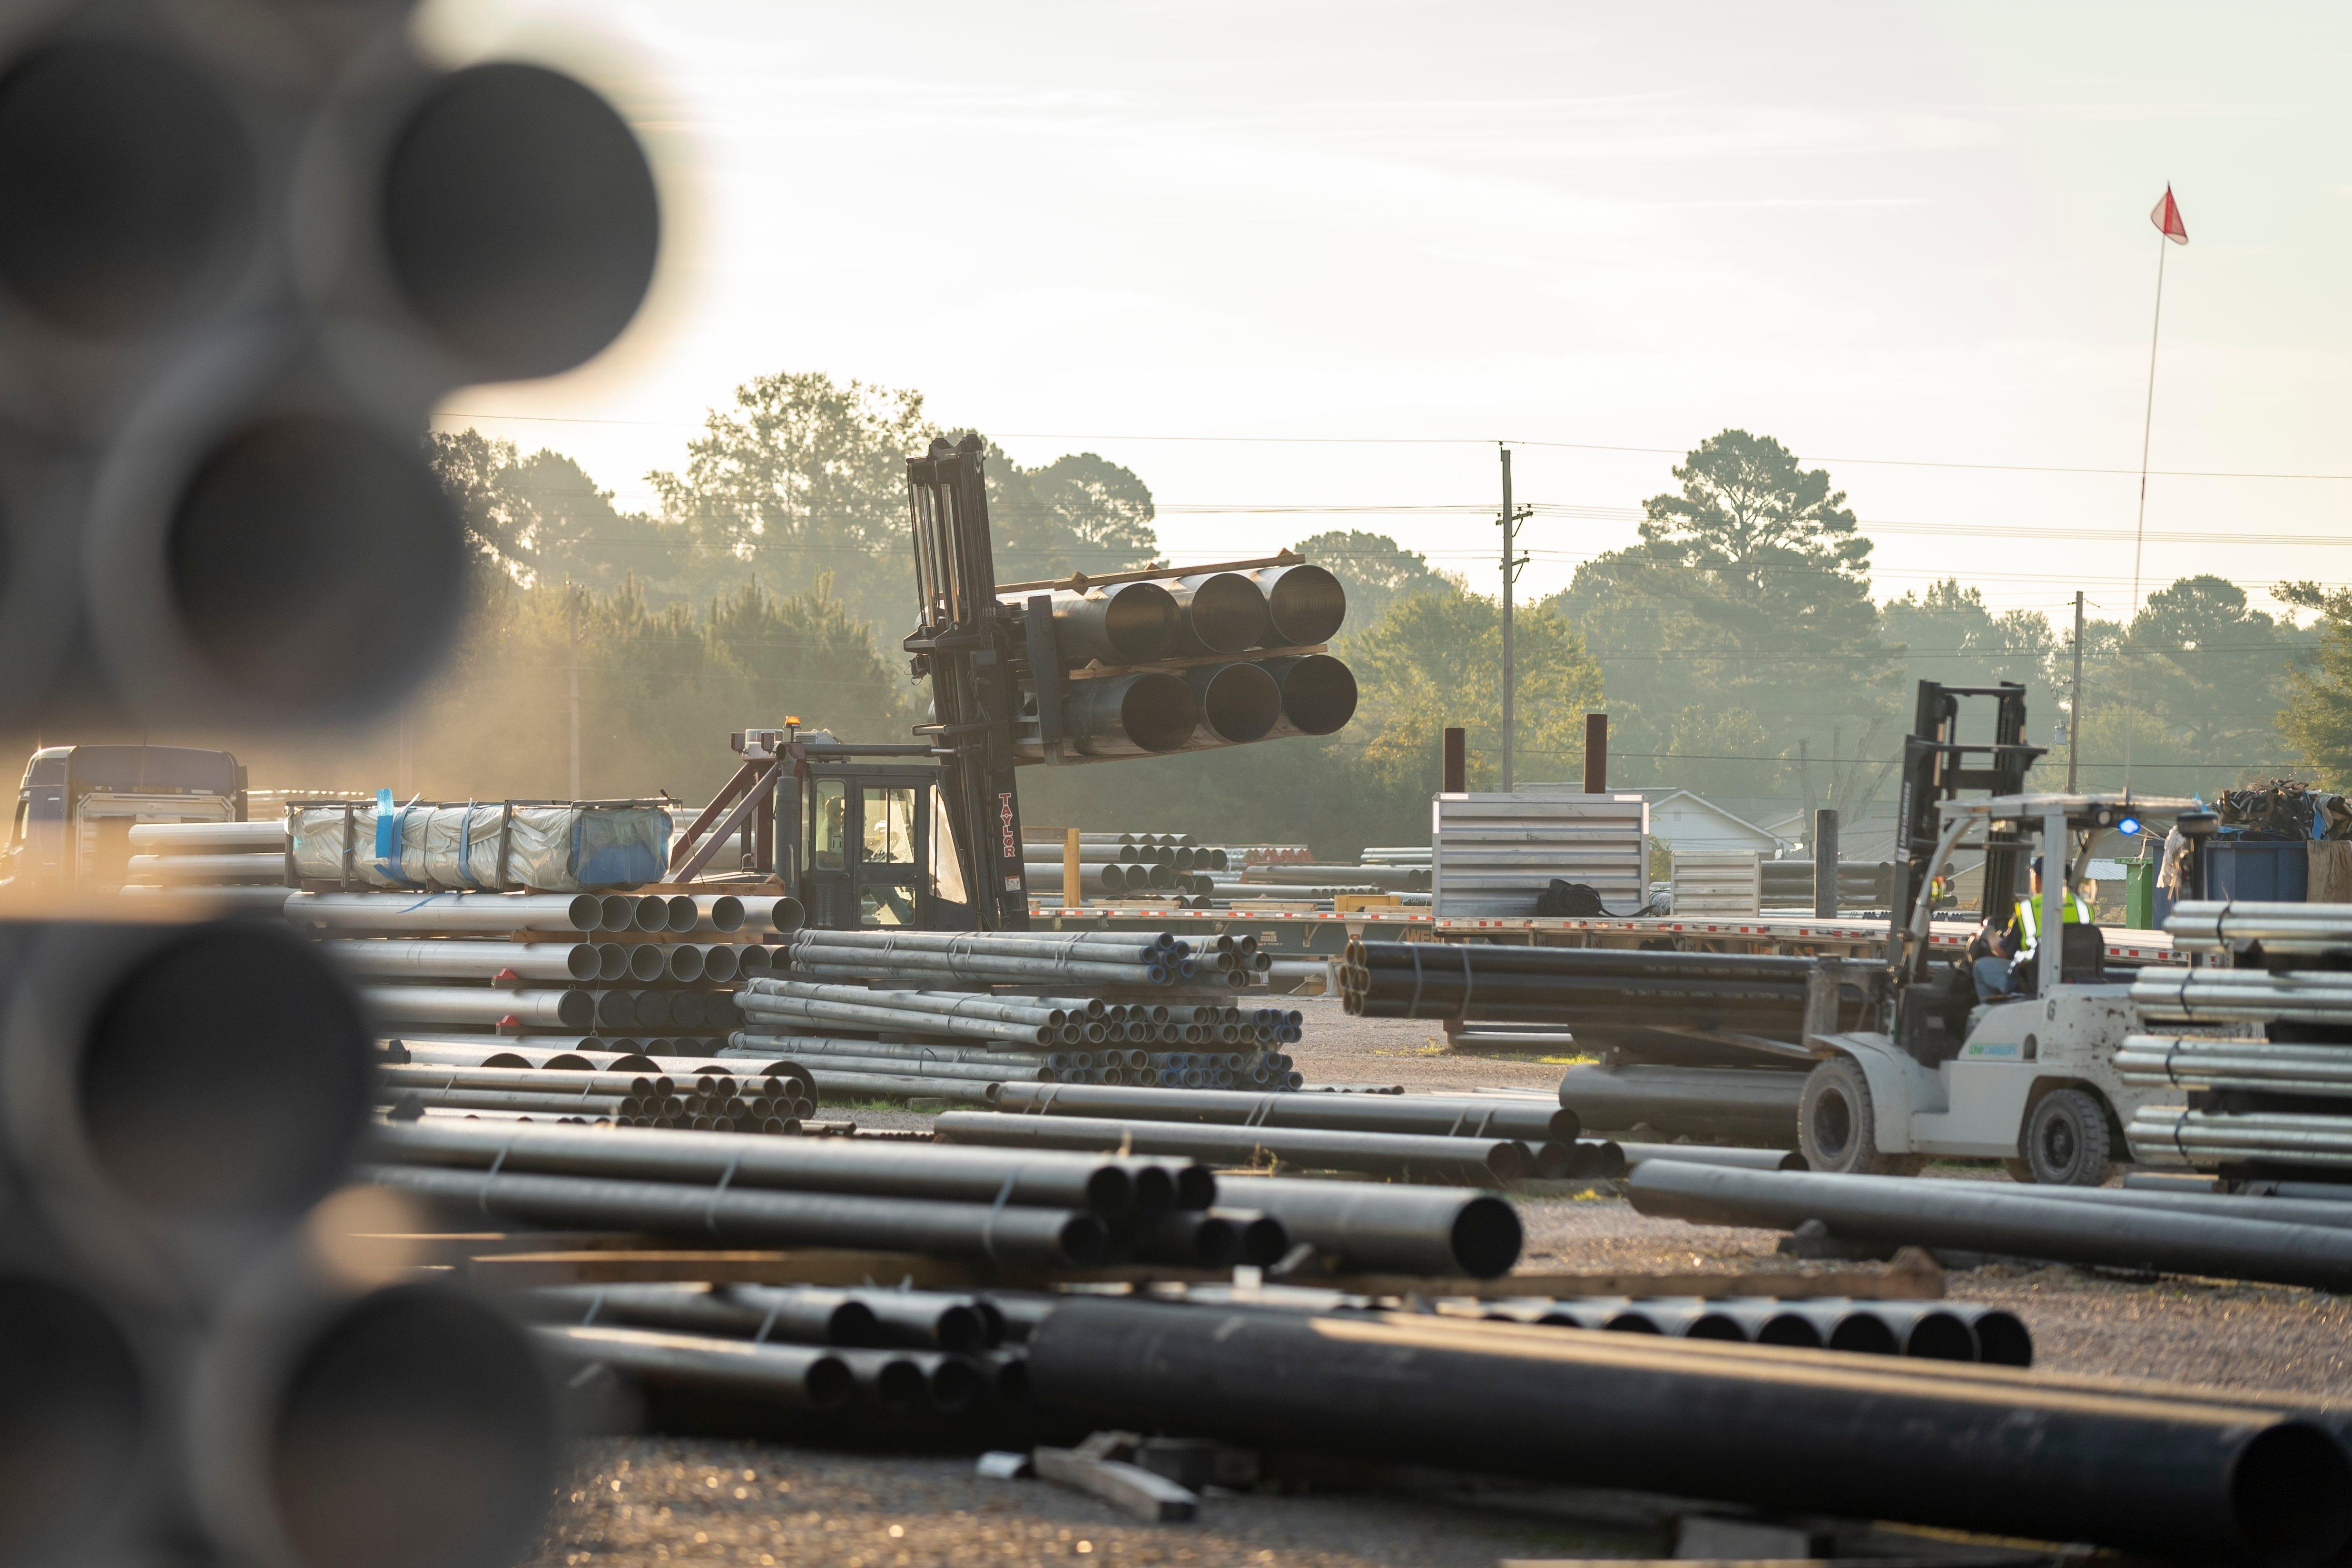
2066	1140
1837	1125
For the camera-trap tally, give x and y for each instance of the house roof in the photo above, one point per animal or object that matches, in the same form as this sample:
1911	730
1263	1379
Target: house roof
1657	797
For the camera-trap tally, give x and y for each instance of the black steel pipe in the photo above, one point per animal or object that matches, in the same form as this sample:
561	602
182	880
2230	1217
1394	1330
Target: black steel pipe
77	1411
1318	694
1130	715
1239	703
1427	1115
1221	612
1706	1154
1758	1106
421	1399
1305	603
1485	1162
177	1097
1120	622
2023	1224
1376	1228
1015	1235
839	1166
803	1376
1787	1430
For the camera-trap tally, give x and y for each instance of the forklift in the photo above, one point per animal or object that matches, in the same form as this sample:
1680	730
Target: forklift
2027	1078
925	835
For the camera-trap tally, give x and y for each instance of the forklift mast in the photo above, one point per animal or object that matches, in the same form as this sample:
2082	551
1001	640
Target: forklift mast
1936	768
965	642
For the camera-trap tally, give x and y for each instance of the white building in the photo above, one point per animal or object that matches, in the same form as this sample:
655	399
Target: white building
1691	823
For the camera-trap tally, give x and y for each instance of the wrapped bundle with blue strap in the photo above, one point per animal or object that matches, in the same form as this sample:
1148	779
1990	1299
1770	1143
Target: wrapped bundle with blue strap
550	846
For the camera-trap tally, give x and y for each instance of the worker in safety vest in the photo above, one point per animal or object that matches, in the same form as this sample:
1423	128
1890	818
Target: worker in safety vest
1996	971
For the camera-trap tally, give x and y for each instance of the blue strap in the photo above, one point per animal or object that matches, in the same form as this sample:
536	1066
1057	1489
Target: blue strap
466	846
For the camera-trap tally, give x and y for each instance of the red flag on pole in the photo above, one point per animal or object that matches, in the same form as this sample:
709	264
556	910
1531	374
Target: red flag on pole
2167	218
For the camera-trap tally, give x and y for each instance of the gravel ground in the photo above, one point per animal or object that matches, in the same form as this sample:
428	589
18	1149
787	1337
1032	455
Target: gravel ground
658	1500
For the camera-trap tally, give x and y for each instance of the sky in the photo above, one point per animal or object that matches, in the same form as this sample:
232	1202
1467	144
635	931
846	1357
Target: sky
1303	266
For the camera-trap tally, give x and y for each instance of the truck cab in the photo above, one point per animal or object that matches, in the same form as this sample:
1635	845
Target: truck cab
70	830
2028	1078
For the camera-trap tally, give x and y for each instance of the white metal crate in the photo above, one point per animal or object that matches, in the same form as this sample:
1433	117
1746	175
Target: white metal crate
1495	853
1718	882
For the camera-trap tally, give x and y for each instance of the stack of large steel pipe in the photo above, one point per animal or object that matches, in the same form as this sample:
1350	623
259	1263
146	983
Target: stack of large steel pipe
1013	1209
615	965
211	855
903	1356
1092	1064
1499	1139
2280	1105
712	1101
2173	1473
193	1363
1098	958
1111	708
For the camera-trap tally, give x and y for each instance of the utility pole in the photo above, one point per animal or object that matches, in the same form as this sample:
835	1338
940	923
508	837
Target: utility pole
2074	699
1511	564
575	693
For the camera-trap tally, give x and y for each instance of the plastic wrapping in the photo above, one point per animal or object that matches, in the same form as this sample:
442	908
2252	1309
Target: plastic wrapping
546	847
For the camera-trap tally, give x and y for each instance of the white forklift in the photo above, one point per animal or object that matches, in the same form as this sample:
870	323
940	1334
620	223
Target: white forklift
2028	1078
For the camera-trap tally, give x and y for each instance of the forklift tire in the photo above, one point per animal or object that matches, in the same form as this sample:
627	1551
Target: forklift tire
2066	1140
1837	1125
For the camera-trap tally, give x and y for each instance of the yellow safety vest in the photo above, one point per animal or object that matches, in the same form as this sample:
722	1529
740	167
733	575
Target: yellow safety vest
2073	912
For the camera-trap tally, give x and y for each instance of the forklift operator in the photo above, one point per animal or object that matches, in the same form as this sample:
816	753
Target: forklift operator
2003	958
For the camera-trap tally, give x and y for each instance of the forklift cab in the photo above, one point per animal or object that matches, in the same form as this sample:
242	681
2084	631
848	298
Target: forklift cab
868	829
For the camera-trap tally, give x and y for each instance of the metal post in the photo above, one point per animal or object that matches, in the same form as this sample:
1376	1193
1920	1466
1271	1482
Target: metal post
1510	674
1596	753
1825	863
2050	952
575	693
2075	700
1073	886
1455	775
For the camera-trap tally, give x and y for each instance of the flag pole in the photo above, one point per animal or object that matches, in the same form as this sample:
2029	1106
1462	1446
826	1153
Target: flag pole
2140	522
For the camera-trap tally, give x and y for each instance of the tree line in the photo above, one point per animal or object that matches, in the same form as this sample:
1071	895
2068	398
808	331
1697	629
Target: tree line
1737	645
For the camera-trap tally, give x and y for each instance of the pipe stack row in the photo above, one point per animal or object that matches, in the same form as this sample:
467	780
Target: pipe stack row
609	967
967	1010
1183	662
463	1075
1485	1141
195	1360
2258	1053
190	855
885	1359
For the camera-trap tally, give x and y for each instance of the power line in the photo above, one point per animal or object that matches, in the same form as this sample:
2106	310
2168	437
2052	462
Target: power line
1477	441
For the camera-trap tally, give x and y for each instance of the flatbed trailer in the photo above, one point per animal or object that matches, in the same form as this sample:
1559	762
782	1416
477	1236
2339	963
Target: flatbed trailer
1304	932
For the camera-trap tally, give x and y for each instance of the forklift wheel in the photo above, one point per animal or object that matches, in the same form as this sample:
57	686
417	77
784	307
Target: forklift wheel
2066	1142
1836	1125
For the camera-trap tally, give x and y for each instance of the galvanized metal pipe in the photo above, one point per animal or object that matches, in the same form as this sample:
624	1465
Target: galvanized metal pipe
1018	1235
717	911
1481	1161
951	1003
907	1020
1784	1429
2155	1061
1318	694
470	960
1119	623
568	1009
1481	1116
2202	925
226	870
554	1102
432	1075
1709	1155
449	911
1239	703
2168	1134
804	1376
2250	994
1125	715
839	1084
263	838
1892	1209
1104	1187
1305	603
